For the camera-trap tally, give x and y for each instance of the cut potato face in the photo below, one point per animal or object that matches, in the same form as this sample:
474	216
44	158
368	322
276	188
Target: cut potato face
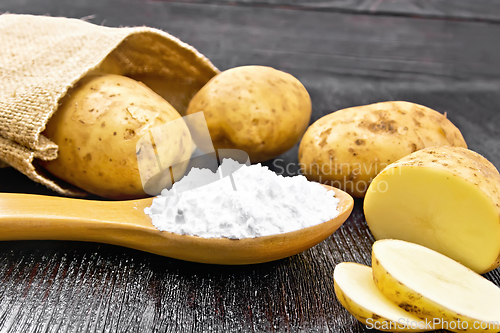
442	199
357	292
431	285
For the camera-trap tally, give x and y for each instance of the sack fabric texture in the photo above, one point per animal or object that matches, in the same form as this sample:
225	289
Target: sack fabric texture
42	57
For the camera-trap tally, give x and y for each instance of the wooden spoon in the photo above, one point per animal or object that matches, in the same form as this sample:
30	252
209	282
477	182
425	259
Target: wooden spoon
28	216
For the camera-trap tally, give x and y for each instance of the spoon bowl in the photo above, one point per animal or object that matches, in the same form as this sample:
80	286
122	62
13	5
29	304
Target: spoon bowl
124	223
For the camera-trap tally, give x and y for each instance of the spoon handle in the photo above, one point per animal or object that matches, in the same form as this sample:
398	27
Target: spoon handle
28	216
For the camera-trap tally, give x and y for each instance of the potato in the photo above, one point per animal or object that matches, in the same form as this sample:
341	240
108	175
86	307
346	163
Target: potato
100	126
445	198
435	287
257	109
349	147
357	292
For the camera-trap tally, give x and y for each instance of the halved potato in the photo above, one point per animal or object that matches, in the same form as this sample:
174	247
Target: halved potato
445	198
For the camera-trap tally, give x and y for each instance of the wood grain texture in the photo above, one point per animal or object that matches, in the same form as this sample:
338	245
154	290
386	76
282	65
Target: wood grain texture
484	10
344	60
292	40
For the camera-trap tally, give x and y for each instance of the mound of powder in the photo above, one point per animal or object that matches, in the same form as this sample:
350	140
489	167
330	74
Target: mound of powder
253	201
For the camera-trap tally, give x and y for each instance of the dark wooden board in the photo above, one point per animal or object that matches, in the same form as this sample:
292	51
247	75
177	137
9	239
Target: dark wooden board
484	10
343	59
324	42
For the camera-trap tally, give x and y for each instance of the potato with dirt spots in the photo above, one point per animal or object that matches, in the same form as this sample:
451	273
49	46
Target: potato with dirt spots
349	147
98	126
258	109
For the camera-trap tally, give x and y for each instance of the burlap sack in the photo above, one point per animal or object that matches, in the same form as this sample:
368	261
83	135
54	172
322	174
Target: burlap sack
42	57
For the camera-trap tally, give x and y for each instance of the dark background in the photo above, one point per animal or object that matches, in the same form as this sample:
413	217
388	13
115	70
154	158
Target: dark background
442	54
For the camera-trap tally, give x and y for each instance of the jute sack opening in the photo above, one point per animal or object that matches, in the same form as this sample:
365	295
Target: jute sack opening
42	57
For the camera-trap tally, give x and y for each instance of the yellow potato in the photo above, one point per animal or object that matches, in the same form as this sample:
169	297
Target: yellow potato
257	109
444	198
435	288
348	148
98	126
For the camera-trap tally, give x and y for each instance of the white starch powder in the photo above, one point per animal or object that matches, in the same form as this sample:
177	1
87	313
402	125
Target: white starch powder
252	202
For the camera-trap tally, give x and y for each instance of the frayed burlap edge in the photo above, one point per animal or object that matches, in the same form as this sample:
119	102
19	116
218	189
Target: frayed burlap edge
45	56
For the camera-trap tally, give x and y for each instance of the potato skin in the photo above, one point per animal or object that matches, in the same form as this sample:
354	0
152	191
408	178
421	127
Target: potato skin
349	147
97	127
463	163
258	109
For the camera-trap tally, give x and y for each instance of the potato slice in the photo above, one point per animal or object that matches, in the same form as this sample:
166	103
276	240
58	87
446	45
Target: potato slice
431	285
445	198
357	292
